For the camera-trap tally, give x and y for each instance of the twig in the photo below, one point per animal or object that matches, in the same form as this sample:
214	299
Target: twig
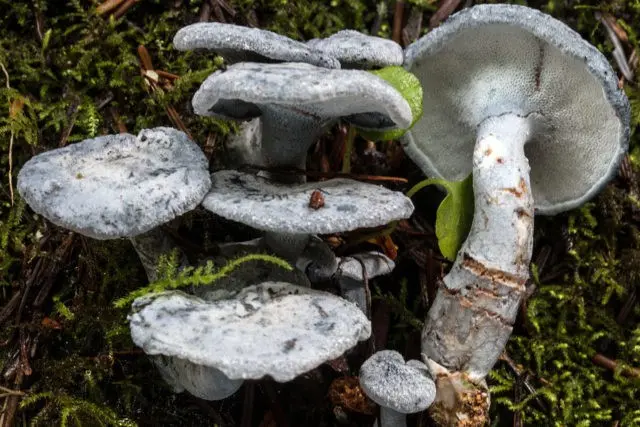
605	362
398	17
108	6
10	174
124	8
446	8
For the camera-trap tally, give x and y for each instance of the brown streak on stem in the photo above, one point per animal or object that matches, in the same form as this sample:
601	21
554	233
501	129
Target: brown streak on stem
492	274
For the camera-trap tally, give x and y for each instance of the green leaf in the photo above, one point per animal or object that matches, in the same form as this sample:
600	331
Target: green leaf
409	87
455	213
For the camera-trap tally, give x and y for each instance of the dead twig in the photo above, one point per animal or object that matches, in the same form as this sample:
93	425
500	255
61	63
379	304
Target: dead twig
612	365
398	17
446	8
154	79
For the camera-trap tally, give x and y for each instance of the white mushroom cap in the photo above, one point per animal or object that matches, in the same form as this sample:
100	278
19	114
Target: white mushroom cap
490	60
284	208
356	50
236	43
117	185
274	329
406	388
243	89
373	263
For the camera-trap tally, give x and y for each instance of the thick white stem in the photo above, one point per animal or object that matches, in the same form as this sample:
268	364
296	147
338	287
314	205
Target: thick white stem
391	418
472	315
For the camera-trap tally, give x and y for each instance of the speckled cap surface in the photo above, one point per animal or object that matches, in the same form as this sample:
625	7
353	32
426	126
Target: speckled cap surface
242	89
390	382
275	329
284	208
236	43
117	185
489	60
356	50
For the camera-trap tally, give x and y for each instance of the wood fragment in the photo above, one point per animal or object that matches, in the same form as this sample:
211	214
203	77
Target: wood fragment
108	6
446	8
124	8
205	12
398	17
612	365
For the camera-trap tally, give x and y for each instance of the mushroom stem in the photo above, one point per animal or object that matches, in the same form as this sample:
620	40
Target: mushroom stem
472	315
152	245
391	418
287	245
287	135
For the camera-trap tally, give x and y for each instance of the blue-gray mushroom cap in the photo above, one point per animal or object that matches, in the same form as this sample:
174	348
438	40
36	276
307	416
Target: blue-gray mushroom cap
237	43
498	59
356	50
117	185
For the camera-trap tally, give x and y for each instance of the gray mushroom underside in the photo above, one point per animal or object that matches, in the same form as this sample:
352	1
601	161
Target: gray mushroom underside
201	381
493	59
265	205
237	43
356	50
117	185
390	382
243	89
274	329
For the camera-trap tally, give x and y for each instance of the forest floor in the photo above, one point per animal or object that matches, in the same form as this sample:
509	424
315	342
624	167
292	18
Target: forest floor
72	70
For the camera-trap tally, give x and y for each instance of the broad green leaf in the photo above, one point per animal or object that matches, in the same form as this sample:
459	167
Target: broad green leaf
455	213
409	87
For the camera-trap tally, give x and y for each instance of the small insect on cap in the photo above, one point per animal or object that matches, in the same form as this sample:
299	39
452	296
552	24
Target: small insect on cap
286	208
356	50
272	329
238	44
117	185
496	59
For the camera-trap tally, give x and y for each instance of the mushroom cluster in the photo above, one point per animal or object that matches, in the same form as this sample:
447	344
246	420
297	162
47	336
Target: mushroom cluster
290	95
535	113
123	185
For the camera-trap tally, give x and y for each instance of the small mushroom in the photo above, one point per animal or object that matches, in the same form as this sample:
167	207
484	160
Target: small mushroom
272	329
119	186
354	270
283	209
534	112
236	43
298	102
399	388
356	50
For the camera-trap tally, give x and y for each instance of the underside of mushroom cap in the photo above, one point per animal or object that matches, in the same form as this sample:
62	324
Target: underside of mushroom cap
237	43
490	60
284	208
274	329
356	50
117	185
390	382
242	89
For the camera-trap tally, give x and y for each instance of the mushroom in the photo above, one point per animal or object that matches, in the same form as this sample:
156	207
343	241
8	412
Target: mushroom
119	186
506	87
283	210
236	43
272	329
355	270
298	102
356	50
399	388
